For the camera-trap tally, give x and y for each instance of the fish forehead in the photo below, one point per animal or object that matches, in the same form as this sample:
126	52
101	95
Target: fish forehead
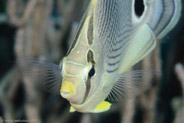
78	53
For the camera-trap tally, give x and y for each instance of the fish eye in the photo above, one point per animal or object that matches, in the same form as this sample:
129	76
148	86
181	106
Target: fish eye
91	72
139	7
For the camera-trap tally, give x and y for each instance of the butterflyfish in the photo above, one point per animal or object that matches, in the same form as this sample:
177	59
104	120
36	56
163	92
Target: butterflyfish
113	35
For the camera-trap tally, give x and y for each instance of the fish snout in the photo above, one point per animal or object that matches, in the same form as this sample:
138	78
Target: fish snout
67	90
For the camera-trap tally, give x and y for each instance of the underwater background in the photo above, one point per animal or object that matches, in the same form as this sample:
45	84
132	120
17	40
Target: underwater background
45	29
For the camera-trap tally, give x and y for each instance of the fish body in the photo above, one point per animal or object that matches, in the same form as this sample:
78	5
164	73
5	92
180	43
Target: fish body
112	37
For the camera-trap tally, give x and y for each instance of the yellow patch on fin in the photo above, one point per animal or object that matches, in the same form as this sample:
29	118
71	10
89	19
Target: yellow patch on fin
103	106
72	109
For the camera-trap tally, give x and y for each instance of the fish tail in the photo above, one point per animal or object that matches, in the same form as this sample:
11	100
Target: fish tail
167	15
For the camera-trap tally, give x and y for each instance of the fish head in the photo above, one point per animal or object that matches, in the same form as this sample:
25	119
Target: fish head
74	81
83	85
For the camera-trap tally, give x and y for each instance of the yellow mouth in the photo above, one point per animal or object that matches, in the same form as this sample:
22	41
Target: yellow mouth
67	90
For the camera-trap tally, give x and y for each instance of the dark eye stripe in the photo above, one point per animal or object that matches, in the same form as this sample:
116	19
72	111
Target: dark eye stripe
90	74
90	57
90	31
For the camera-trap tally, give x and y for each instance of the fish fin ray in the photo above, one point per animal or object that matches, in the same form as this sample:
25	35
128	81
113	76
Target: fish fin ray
169	15
131	84
44	74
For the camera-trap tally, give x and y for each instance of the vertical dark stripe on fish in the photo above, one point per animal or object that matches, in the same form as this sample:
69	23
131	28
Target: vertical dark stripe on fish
88	86
88	82
90	57
90	30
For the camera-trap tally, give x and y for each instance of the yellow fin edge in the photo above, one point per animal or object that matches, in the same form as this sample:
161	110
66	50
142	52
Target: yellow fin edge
102	107
72	109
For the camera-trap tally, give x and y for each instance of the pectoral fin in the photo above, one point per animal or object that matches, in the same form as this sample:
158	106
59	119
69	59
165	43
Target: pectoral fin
142	44
130	84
